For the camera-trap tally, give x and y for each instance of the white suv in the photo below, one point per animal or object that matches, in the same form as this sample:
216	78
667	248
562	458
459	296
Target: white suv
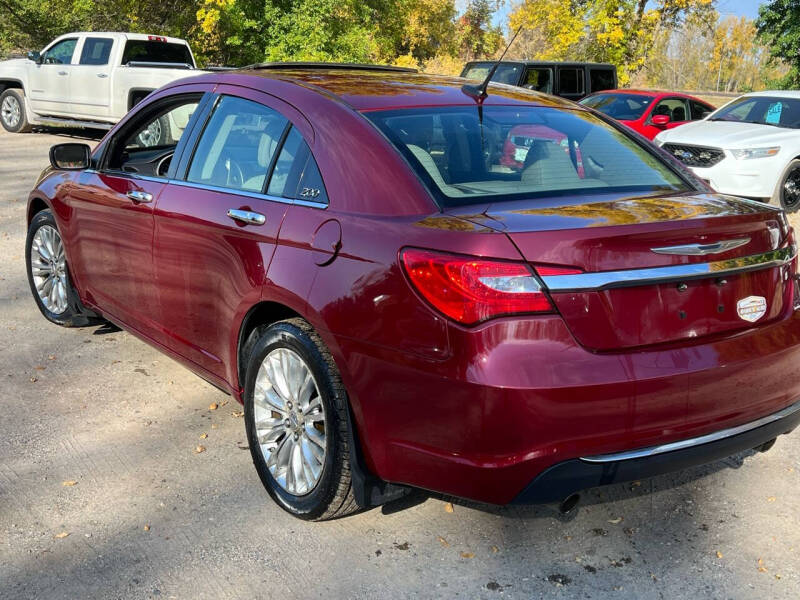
750	147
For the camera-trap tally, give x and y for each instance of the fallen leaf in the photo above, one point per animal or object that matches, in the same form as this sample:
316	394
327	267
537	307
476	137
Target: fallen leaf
223	403
213	406
34	380
719	554
51	357
467	555
146	528
616	521
61	535
237	413
771	499
203	436
214	426
760	562
762	569
495	549
69	483
777	576
636	484
448	507
443	542
40	367
199	449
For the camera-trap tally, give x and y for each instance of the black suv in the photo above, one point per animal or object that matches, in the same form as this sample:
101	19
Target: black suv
569	80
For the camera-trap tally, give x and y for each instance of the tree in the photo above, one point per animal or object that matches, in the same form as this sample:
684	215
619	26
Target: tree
778	26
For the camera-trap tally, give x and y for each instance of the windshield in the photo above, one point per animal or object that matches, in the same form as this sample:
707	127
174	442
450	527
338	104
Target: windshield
156	52
763	110
521	152
506	72
625	107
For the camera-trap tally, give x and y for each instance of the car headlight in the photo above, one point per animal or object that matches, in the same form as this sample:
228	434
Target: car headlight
746	153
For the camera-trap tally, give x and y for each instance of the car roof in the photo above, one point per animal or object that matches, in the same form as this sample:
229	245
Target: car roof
777	93
366	88
542	63
653	93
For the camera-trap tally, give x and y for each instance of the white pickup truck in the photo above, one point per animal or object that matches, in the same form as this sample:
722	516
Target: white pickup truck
89	79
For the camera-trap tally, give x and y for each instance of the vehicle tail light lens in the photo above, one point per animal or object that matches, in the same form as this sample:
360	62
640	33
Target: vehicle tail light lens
471	290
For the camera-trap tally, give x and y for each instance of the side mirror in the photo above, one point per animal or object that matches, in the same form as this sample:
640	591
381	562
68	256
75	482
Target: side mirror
35	57
70	157
660	120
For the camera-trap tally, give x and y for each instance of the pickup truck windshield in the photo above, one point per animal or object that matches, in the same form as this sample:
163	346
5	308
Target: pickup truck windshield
156	52
521	152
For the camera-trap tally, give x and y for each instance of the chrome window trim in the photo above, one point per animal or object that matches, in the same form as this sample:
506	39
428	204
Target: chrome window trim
605	280
695	441
213	188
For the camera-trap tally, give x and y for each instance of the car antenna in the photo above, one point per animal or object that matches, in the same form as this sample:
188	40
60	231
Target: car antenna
479	91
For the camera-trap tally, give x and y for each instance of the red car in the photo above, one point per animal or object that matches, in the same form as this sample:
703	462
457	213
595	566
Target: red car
649	113
340	249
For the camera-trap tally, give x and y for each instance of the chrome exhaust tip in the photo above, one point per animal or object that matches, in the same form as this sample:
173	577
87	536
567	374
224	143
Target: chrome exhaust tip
568	504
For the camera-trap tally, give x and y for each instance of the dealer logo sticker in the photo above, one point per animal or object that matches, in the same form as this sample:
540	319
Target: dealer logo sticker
752	308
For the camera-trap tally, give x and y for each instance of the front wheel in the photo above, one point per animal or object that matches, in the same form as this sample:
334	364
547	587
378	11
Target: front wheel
12	111
788	192
296	420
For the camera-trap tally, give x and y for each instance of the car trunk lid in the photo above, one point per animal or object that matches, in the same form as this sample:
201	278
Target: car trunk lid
653	269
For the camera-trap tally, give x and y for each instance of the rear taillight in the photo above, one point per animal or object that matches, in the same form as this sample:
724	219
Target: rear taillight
470	290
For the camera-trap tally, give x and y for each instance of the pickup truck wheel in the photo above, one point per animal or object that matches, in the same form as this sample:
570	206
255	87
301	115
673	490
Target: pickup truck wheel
295	409
154	134
12	111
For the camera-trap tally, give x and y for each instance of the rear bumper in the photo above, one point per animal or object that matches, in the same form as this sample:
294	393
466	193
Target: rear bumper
571	476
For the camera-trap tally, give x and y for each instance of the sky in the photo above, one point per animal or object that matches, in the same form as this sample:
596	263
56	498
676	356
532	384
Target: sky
738	8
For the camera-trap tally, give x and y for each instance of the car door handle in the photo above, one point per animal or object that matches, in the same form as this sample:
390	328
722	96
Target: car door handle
102	75
246	216
139	196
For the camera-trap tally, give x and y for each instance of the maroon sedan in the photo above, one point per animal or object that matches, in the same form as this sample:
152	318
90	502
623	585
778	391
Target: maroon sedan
649	113
341	249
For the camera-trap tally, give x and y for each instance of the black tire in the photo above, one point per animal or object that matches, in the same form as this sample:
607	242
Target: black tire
74	314
14	122
332	496
787	194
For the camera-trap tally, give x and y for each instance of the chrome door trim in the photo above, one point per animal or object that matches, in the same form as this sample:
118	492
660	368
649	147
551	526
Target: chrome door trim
246	216
695	441
702	249
604	280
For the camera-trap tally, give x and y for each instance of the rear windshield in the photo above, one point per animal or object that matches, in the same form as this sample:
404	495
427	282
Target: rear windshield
513	153
156	52
619	106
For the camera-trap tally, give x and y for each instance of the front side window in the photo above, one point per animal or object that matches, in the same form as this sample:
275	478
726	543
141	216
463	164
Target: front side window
674	108
147	145
237	146
540	80
509	153
96	51
763	110
61	53
624	107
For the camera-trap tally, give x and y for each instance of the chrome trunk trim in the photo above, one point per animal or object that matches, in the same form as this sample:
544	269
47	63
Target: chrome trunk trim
702	249
696	441
604	280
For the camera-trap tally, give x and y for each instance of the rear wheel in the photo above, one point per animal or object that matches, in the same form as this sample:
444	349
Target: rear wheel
12	111
788	192
296	420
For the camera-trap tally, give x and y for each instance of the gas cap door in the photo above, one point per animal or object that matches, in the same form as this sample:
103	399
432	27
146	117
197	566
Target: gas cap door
326	242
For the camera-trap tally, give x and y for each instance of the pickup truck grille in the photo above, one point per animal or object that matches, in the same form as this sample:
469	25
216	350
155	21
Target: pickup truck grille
695	156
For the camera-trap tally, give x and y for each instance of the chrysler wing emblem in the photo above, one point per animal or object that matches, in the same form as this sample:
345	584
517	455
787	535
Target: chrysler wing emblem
701	249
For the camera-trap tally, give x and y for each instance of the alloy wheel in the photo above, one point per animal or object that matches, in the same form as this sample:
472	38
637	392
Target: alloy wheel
791	189
11	111
151	135
289	419
49	269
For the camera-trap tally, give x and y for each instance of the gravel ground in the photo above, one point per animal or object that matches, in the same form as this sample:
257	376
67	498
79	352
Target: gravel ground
148	517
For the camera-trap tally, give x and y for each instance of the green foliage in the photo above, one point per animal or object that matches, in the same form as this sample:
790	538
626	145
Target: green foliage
779	27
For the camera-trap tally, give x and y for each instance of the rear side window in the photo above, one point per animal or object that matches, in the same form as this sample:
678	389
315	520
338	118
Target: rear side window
540	80
699	111
96	51
237	146
467	156
296	175
601	79
570	81
156	52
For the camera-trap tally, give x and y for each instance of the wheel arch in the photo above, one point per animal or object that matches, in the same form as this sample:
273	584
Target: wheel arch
10	83
136	95
36	205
